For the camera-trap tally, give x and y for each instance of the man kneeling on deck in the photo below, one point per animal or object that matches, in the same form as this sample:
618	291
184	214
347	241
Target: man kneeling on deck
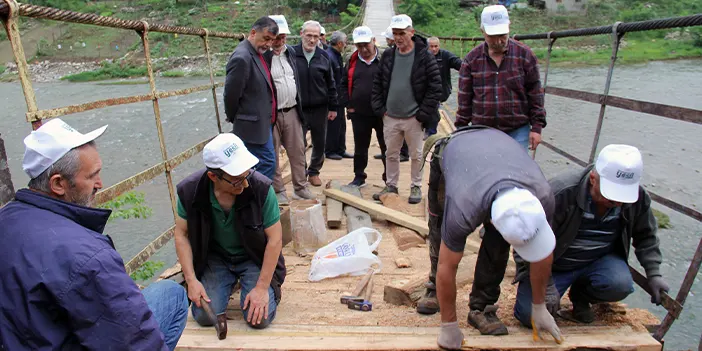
601	211
492	182
229	231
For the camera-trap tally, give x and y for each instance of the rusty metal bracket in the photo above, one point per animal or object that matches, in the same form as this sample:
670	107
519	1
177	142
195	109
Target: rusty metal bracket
673	307
616	39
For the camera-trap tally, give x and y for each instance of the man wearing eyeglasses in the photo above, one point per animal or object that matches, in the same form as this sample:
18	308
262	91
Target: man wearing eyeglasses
228	231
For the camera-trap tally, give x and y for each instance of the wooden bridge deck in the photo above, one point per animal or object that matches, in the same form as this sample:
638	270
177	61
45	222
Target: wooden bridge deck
310	316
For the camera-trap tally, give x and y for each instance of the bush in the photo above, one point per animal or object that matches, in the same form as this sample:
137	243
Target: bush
421	11
147	271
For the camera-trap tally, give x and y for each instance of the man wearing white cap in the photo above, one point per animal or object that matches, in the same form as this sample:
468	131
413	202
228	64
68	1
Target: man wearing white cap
287	131
499	83
64	286
389	39
480	175
603	210
355	93
405	92
228	231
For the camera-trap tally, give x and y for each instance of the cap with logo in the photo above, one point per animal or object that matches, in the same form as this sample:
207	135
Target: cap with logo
620	168
228	153
362	34
400	22
495	20
282	24
520	218
388	33
46	145
322	31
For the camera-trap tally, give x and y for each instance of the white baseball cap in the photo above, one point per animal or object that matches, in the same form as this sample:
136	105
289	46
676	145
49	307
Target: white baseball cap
362	34
495	20
519	216
282	24
620	168
400	22
322	30
388	33
228	153
50	142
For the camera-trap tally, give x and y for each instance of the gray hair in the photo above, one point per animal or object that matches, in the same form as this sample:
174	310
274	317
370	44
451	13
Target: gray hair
67	167
337	37
434	39
310	24
265	23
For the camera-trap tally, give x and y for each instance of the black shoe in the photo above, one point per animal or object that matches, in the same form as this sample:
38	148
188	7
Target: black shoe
346	155
378	157
358	182
582	310
404	158
334	157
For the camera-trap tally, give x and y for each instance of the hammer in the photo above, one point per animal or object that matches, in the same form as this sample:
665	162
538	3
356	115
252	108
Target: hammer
356	296
221	331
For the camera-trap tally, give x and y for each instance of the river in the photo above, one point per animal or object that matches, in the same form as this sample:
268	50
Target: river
671	151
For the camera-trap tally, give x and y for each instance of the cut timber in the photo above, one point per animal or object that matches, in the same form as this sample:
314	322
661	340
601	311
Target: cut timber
403	262
404	238
286	224
380	211
409	291
334	207
355	218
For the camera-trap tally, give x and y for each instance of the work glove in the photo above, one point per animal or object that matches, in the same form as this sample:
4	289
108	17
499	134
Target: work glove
450	336
553	299
541	319
657	284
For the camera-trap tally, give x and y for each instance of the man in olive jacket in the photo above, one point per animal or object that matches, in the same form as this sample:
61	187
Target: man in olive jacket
600	213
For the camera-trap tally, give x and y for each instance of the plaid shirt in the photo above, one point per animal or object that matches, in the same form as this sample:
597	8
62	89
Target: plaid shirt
505	97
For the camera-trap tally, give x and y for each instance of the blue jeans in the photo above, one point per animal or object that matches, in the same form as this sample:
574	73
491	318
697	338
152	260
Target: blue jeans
219	279
266	156
168	302
521	135
606	280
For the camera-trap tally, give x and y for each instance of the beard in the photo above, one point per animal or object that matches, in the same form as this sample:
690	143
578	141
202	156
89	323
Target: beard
83	199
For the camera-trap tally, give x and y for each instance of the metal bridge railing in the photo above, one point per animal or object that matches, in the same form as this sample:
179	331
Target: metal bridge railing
617	30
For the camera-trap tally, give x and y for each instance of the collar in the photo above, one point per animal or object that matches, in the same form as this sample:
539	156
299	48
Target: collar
371	60
94	219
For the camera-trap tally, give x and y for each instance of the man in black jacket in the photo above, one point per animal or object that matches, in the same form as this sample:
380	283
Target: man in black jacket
446	61
318	91
227	231
335	148
249	94
602	211
356	87
406	92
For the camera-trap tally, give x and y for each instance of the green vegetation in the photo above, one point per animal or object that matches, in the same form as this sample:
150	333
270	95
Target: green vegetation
446	18
2	69
108	71
173	74
662	219
147	271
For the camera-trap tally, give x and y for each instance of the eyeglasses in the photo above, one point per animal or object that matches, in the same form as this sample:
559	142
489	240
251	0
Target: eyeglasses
240	180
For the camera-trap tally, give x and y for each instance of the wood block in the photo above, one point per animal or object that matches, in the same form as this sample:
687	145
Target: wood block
403	262
408	291
334	207
355	218
286	224
405	238
380	211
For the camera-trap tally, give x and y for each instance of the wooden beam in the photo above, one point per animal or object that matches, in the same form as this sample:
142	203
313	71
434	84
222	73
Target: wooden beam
381	211
355	218
334	207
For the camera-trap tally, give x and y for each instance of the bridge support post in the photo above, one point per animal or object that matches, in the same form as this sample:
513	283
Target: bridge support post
7	190
214	89
616	39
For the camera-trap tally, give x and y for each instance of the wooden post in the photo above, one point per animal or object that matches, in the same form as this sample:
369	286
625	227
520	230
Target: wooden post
7	190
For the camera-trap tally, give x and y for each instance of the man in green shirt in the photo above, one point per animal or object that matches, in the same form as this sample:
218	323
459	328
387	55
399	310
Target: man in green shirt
228	231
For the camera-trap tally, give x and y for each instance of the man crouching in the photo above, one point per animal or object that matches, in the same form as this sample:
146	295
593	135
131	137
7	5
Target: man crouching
228	231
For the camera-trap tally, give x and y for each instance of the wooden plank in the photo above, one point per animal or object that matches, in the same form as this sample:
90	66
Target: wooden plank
355	218
322	337
404	238
334	207
381	211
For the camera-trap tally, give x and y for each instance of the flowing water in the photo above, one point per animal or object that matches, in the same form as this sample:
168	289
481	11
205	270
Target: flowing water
671	151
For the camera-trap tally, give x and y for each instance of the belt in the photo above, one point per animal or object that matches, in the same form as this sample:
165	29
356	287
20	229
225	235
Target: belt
286	110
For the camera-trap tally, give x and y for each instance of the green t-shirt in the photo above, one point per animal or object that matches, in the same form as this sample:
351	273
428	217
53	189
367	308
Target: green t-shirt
223	229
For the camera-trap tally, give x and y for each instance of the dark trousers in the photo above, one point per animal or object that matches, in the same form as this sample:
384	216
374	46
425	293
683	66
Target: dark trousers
363	127
316	124
336	134
492	257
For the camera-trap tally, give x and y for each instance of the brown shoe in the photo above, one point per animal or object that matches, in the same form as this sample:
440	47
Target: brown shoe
486	321
314	180
222	326
428	304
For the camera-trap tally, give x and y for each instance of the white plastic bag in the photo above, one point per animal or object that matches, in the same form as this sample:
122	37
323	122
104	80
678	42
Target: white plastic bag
351	254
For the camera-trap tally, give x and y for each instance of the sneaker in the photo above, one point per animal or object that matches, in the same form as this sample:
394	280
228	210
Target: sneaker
358	182
314	180
304	194
378	157
415	195
387	189
334	157
282	198
429	303
404	158
486	321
